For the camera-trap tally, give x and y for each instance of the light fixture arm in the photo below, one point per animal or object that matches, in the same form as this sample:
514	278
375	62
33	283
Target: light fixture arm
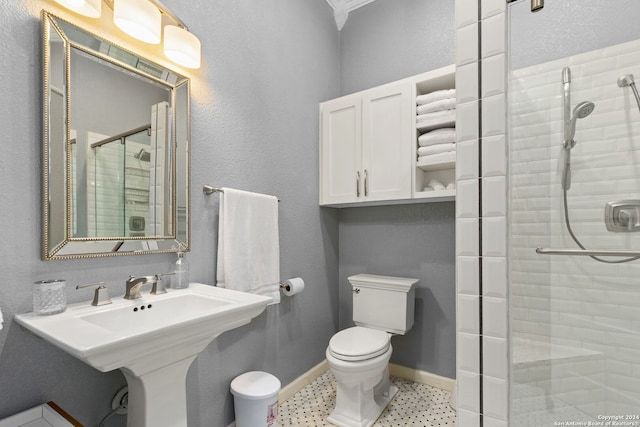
167	12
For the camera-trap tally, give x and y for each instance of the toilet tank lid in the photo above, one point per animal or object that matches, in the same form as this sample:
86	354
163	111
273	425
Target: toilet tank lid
404	284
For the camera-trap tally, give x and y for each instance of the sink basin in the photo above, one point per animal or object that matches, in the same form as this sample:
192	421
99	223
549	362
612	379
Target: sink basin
153	340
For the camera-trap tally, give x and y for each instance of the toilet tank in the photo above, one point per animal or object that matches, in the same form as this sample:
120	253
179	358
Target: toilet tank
383	302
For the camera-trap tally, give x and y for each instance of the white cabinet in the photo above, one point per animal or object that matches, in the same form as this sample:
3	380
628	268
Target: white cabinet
340	150
369	143
387	142
366	146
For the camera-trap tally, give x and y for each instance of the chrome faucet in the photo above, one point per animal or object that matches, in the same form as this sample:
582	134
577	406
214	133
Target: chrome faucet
133	285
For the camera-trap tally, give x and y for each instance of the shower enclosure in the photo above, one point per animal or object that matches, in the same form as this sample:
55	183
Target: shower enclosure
574	213
120	184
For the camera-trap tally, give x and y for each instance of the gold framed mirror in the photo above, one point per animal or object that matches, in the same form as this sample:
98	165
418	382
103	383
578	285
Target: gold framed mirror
116	130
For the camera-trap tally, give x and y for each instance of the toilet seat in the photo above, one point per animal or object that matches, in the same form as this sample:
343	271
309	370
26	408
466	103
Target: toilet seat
358	343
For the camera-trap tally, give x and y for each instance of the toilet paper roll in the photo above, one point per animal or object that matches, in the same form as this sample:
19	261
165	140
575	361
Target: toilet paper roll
293	286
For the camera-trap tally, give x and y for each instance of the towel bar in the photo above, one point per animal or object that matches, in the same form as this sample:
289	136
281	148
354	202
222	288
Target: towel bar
208	189
586	252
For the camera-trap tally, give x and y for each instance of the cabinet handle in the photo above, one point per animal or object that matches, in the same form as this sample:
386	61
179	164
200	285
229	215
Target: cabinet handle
357	183
366	185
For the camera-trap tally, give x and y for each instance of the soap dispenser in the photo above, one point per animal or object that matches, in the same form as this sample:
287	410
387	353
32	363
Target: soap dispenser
180	279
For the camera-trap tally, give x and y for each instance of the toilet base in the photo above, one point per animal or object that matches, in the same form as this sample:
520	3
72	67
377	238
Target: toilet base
360	405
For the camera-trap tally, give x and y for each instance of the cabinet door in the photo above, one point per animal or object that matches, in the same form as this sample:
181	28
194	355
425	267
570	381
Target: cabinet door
387	142
340	150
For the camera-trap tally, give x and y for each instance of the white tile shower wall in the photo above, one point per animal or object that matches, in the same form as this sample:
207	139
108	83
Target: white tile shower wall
495	381
474	131
577	301
467	215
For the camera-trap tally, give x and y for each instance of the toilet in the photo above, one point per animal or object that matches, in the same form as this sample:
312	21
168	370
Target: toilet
359	356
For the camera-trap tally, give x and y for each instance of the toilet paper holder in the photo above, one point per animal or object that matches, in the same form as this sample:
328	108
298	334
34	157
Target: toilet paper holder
285	286
292	286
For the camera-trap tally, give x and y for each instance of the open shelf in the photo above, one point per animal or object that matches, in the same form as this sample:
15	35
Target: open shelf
426	164
441	168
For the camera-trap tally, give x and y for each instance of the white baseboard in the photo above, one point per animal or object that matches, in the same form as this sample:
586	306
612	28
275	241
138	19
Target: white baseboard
422	377
302	381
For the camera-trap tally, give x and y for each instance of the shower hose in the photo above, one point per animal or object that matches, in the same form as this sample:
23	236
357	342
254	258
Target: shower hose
575	239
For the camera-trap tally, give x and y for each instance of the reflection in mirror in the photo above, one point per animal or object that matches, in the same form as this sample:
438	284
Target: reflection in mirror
116	149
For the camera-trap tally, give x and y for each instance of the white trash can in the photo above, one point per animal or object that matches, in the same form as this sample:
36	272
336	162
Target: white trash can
256	399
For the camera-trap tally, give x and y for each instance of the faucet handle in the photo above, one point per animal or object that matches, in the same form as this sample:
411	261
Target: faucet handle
158	284
101	294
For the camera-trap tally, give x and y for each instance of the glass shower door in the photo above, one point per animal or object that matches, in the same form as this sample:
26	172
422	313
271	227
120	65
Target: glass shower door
574	147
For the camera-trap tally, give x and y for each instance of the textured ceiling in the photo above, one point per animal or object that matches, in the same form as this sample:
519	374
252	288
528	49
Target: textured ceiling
341	9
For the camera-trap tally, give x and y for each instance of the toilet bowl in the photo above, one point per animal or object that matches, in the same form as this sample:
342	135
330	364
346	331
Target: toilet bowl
359	356
363	388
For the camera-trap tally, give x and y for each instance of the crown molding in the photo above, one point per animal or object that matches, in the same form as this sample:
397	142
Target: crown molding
341	9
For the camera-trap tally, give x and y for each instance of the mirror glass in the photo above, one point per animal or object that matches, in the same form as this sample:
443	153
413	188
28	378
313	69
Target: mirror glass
116	149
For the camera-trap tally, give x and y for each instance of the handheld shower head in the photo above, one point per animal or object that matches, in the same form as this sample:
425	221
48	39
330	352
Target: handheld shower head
581	111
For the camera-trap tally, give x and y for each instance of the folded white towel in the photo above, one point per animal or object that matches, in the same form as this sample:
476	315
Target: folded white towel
436	116
248	243
451	186
435	96
427	188
436	185
437	136
436	149
443	104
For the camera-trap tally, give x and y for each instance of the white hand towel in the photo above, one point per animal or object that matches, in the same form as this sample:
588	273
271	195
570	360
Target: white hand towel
248	243
443	104
435	96
437	136
436	149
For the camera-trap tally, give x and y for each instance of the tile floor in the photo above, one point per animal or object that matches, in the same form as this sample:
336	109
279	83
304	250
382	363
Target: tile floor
414	405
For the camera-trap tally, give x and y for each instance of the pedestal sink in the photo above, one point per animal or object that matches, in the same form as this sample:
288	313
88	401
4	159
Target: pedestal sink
153	340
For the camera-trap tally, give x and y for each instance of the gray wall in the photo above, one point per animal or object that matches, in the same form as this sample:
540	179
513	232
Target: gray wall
388	40
408	241
381	42
267	64
568	27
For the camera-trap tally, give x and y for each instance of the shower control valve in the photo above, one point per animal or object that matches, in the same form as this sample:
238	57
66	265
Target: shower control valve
622	216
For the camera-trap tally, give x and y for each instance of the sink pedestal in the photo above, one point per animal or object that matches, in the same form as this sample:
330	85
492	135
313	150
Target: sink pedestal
159	397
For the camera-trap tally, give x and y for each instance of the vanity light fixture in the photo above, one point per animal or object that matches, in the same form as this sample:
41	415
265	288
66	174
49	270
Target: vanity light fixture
142	20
